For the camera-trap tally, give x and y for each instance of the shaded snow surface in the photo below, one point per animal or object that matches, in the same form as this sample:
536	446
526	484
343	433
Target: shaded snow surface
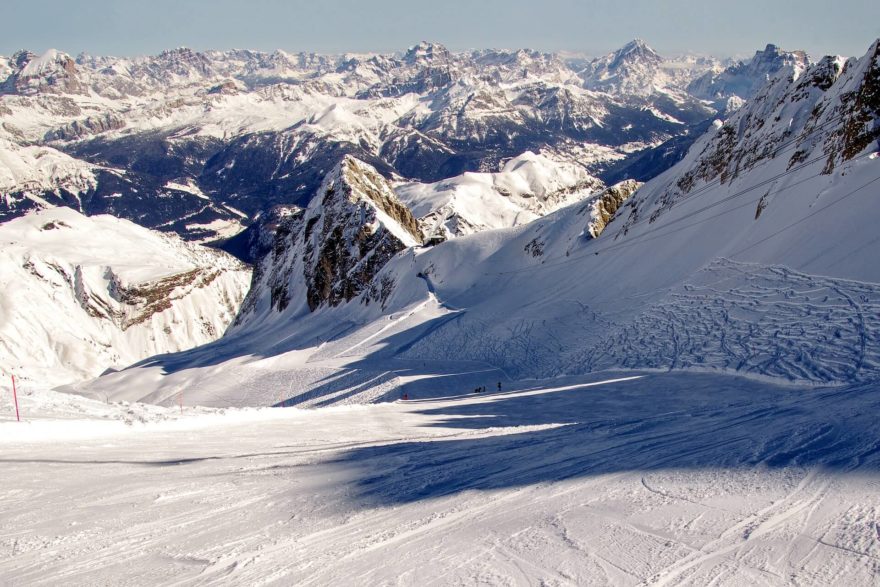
624	479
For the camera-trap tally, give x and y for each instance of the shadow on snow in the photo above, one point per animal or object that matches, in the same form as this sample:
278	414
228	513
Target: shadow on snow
671	421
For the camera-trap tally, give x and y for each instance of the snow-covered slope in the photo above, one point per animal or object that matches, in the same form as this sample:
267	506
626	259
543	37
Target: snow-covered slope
662	479
754	254
80	295
33	176
526	188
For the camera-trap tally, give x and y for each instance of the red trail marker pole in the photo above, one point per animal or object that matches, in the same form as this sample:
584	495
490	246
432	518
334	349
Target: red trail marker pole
15	399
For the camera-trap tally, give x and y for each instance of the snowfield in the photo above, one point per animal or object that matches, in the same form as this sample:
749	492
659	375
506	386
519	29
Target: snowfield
83	294
625	479
671	386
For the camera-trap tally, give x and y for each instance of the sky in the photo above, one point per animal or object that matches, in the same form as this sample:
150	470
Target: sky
594	27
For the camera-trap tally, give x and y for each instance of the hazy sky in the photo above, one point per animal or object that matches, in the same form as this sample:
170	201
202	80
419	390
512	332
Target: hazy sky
731	27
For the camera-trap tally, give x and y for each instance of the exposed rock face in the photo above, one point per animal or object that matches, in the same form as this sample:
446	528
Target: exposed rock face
330	253
53	72
828	114
862	128
81	294
85	127
357	227
745	79
606	203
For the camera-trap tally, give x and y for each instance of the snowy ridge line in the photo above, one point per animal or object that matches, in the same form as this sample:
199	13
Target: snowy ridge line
650	234
718	181
635	239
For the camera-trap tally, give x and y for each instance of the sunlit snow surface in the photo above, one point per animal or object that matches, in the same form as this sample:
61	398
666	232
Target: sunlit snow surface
660	479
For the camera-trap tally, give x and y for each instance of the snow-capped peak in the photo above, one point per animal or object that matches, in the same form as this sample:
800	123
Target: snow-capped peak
53	71
636	50
632	69
48	62
745	79
426	52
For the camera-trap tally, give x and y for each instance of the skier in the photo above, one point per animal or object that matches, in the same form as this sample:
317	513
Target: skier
499	386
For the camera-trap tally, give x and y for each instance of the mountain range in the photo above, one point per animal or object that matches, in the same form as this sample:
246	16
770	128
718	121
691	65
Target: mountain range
203	143
748	256
609	320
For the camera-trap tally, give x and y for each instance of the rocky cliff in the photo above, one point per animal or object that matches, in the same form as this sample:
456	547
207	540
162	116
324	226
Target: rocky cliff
329	253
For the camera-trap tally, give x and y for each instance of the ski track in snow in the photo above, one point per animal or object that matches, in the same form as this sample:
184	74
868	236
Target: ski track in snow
768	321
756	320
667	479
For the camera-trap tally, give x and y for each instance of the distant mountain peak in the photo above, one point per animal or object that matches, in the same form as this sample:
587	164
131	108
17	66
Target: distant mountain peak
635	45
745	78
53	71
637	48
426	51
630	69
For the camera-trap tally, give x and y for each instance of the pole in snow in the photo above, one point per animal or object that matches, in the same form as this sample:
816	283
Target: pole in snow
15	399
180	401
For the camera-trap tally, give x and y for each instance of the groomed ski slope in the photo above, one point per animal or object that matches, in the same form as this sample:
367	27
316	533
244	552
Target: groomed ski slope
616	478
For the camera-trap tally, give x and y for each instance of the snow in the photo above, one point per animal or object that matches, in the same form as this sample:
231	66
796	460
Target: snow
658	479
526	188
763	274
189	187
36	169
217	229
45	63
330	96
689	398
100	274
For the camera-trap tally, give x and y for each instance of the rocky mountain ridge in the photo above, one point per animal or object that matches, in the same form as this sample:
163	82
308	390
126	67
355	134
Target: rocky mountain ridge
248	130
330	252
